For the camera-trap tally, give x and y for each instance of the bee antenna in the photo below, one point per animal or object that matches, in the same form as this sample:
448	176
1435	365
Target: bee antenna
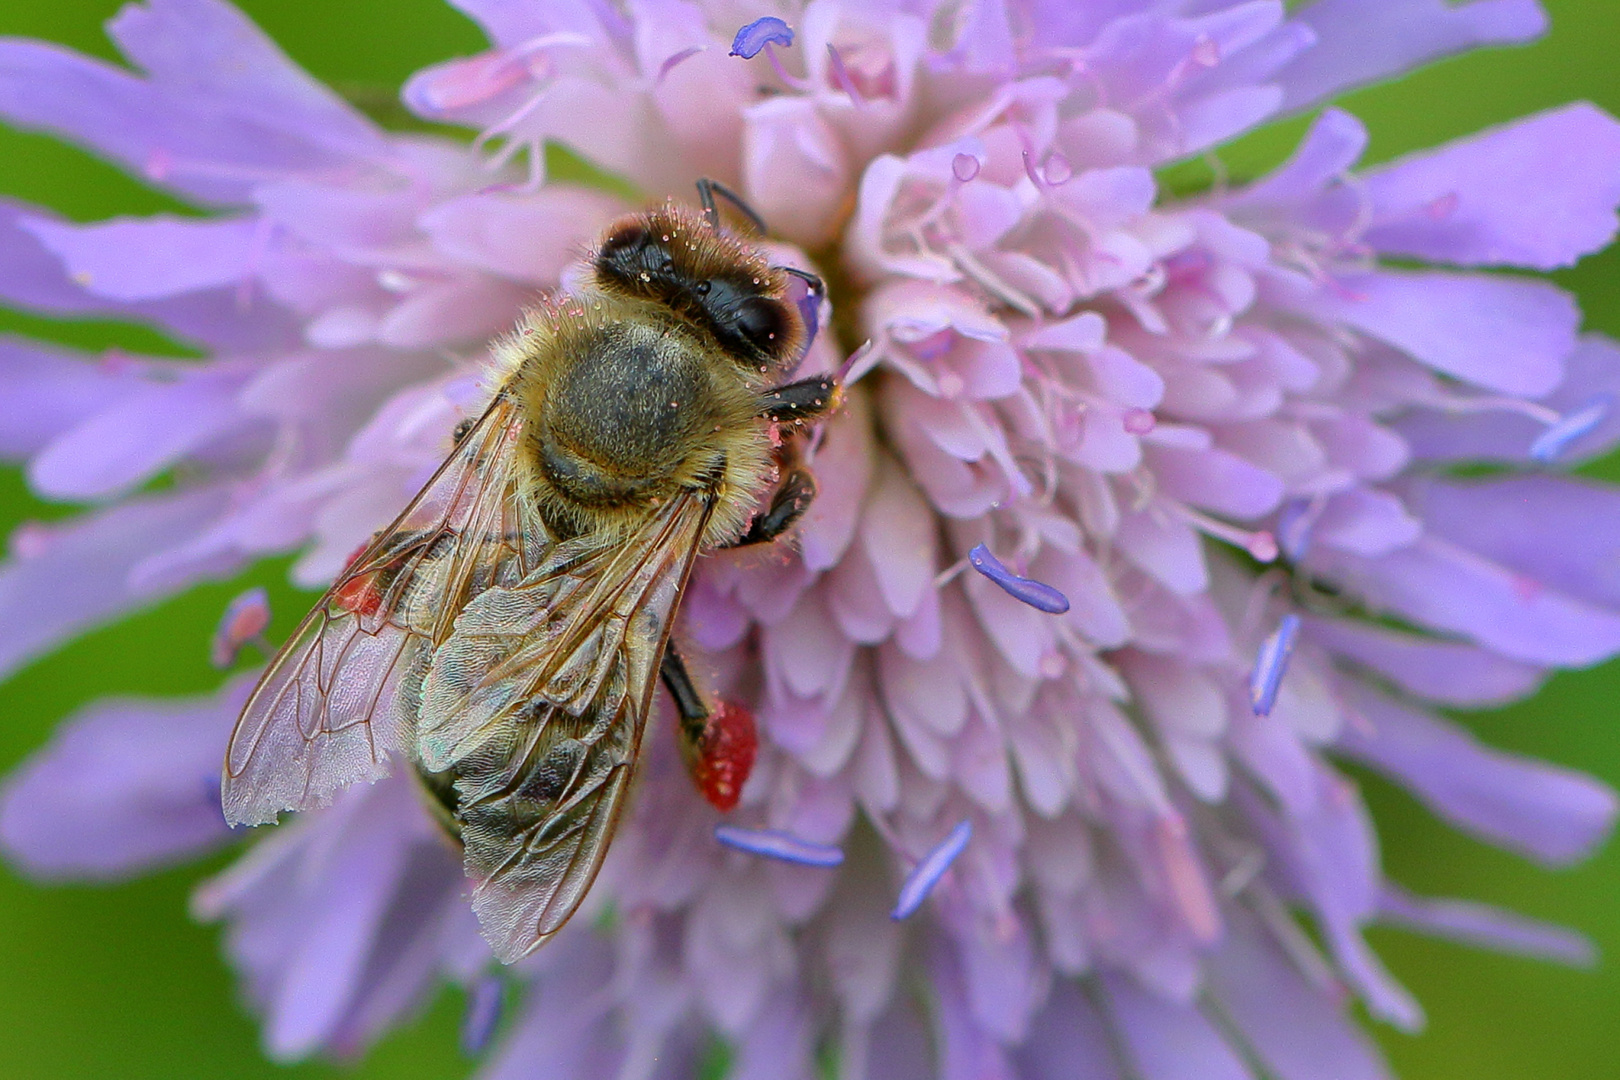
818	288
708	189
809	305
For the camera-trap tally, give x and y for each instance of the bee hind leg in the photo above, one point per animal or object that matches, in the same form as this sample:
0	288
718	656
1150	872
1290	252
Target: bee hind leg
688	702
718	745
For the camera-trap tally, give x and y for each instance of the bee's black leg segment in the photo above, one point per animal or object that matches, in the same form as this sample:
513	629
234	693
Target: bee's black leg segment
793	497
708	189
802	400
688	702
459	435
444	802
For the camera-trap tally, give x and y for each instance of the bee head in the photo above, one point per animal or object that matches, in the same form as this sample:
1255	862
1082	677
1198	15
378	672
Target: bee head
675	259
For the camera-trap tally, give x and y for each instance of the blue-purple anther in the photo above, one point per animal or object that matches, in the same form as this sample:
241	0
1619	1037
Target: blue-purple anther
1271	664
486	1001
775	844
1551	444
1040	596
929	869
761	32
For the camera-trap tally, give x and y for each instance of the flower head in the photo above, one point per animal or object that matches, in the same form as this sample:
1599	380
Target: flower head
1138	520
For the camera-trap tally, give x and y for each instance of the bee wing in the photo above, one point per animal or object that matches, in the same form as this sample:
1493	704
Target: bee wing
340	695
538	701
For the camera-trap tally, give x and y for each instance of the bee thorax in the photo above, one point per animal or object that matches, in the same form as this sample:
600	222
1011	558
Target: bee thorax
630	401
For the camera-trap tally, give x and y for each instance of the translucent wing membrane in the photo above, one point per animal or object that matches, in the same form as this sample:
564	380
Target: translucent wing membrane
341	695
465	638
536	704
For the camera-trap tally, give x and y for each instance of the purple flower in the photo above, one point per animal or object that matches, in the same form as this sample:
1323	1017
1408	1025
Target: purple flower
1202	424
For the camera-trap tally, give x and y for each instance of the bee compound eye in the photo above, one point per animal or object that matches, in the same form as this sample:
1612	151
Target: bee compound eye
630	238
759	321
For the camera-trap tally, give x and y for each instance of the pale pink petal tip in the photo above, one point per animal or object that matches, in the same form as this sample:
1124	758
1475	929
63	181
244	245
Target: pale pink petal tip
859	362
245	619
761	32
1263	546
1295	524
774	844
1139	421
1271	664
929	869
1040	596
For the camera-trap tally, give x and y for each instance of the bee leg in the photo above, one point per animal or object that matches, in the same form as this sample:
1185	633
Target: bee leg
802	400
688	702
793	497
717	745
443	801
708	189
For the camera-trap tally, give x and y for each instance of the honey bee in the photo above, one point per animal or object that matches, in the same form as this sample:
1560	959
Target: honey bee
504	635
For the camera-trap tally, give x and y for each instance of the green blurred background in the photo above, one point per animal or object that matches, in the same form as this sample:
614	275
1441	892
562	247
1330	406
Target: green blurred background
116	981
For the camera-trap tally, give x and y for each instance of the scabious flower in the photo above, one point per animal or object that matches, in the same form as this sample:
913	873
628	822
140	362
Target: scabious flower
1143	515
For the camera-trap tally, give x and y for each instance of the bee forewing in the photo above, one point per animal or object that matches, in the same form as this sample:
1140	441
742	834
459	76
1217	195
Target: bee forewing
526	893
340	696
537	701
586	626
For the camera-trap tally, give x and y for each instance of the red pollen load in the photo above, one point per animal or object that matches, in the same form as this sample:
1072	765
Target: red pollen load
359	595
725	755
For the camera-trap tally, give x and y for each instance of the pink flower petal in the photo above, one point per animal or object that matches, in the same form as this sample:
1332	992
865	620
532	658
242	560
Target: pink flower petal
1463	204
1363	41
1501	333
1552	814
